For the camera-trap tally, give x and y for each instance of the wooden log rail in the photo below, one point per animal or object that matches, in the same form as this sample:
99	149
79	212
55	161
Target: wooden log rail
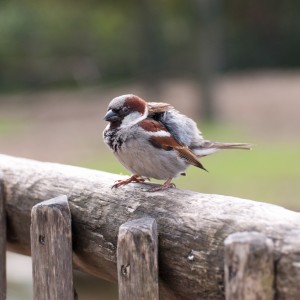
2	241
191	230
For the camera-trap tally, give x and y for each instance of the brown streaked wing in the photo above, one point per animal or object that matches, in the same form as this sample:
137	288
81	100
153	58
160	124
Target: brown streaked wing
188	155
169	143
158	107
152	126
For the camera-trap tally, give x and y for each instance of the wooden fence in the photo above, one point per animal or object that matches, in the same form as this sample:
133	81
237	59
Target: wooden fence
173	244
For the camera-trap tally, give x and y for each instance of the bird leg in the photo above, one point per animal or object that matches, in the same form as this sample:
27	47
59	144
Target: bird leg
167	185
133	178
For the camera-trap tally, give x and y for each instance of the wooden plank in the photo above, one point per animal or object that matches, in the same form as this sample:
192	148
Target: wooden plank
51	250
249	267
2	241
137	260
192	226
288	268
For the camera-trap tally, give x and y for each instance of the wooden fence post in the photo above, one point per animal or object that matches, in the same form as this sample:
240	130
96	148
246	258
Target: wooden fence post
51	250
249	266
137	260
288	268
191	232
2	241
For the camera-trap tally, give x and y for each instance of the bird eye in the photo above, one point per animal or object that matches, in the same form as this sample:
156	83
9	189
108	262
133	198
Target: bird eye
125	109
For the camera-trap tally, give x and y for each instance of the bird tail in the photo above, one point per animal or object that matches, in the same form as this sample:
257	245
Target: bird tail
209	147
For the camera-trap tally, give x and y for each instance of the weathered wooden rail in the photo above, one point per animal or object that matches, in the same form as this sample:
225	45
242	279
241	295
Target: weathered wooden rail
2	241
260	262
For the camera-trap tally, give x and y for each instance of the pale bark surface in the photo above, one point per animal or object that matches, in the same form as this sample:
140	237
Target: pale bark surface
137	260
288	267
192	227
249	266
51	250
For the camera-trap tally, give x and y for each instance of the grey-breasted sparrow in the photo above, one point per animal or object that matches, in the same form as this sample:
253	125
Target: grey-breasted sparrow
153	140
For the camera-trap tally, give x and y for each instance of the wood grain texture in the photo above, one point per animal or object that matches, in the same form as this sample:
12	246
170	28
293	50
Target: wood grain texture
137	260
2	241
192	227
51	245
249	266
288	268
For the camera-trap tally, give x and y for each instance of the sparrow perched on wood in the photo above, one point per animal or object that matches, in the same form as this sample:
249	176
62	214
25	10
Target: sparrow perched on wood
153	140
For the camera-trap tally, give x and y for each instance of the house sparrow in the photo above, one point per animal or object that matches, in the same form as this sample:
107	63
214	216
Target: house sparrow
153	140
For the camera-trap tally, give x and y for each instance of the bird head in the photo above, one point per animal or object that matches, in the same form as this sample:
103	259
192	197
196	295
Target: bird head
126	110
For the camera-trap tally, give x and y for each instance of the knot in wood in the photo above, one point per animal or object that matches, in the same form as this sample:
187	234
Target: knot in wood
191	256
125	270
42	239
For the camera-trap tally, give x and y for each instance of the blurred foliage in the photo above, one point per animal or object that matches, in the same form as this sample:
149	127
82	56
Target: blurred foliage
263	33
44	43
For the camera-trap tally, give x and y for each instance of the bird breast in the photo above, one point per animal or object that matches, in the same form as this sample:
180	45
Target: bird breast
140	157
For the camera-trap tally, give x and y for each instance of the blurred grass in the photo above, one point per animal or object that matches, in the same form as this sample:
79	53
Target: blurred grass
268	173
9	127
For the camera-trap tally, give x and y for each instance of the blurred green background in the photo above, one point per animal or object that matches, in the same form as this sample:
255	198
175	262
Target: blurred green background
232	66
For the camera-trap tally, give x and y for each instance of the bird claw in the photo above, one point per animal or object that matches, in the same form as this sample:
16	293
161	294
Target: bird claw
133	178
167	185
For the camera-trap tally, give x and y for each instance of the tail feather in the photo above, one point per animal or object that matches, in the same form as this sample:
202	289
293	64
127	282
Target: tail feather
218	145
209	147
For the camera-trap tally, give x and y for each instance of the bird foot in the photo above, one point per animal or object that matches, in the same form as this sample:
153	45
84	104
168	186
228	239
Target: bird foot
167	185
133	178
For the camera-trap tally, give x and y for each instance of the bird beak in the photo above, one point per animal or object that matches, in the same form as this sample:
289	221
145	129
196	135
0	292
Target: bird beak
111	116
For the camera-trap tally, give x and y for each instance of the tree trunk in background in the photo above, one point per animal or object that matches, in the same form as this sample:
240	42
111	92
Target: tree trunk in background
150	47
209	33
